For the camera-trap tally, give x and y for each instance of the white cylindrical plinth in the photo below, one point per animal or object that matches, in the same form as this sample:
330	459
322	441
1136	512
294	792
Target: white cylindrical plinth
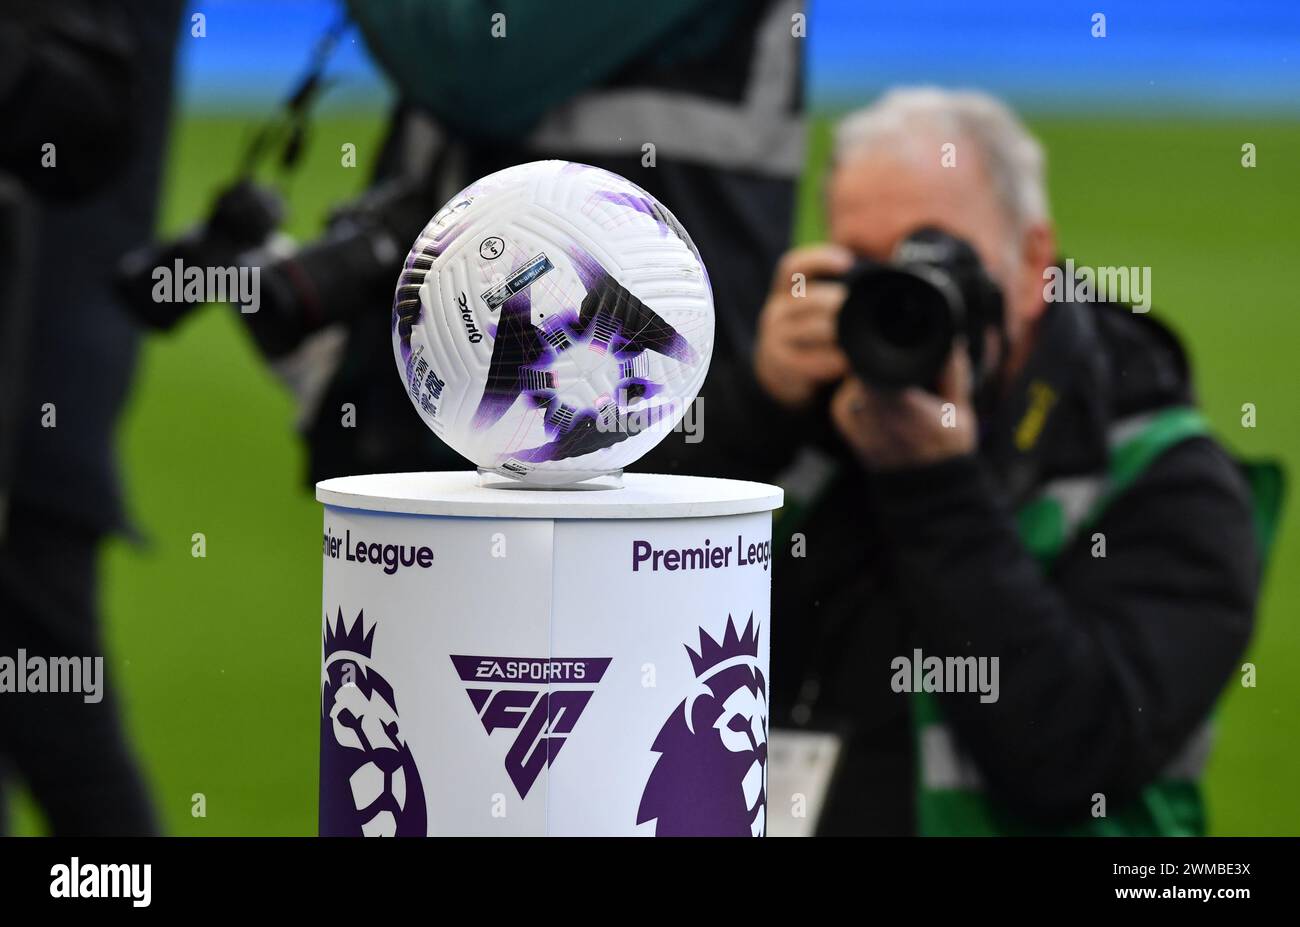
521	661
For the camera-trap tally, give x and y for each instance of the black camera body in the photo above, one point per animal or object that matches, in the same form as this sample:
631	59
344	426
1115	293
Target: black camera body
348	271
901	318
344	274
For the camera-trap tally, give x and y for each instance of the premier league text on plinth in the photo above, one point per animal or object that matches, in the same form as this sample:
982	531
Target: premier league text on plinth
567	662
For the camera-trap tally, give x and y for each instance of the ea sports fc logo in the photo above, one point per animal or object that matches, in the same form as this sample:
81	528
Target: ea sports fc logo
541	699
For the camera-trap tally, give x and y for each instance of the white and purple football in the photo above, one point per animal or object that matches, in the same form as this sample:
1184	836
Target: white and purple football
553	322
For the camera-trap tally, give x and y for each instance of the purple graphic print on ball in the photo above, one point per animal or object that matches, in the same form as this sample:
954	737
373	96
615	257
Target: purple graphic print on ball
611	327
711	775
532	703
369	785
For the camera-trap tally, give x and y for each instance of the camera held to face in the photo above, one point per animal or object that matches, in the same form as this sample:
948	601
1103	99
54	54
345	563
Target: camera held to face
901	318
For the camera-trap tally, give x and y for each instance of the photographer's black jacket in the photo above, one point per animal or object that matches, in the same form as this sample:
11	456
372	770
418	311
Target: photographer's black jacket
94	80
1108	665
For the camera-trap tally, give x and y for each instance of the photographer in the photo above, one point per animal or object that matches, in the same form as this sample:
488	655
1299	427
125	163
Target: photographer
1044	497
85	89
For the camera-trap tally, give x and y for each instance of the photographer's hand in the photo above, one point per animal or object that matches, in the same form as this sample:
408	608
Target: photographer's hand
892	430
797	351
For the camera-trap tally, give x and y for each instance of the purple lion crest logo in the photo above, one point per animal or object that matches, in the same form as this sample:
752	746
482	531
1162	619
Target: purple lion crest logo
711	775
369	785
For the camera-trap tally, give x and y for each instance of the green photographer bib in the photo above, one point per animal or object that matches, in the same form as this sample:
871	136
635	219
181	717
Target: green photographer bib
950	798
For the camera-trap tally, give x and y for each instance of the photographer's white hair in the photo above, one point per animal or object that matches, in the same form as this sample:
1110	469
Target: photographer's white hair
1011	156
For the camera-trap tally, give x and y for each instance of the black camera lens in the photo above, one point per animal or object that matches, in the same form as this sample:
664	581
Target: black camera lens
900	320
897	326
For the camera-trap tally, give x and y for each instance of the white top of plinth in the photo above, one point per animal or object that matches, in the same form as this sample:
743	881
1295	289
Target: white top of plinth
642	495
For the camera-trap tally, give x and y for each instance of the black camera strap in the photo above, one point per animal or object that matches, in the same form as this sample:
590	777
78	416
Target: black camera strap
287	129
1064	382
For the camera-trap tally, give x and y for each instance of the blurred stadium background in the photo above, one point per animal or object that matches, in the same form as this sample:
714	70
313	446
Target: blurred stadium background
218	657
